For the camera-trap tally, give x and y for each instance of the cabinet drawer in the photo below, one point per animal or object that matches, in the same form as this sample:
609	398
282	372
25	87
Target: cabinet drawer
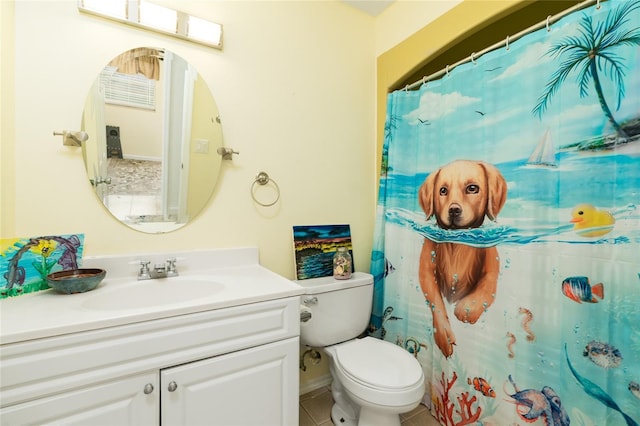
41	367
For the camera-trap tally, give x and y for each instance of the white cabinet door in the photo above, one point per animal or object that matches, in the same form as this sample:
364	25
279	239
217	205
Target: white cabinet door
256	386
122	402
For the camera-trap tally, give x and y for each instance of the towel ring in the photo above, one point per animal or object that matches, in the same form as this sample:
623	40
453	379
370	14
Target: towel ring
262	179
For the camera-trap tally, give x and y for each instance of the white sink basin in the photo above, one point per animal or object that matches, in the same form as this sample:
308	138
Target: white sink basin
153	293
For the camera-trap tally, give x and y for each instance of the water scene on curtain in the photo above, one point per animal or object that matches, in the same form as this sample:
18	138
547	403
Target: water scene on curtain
507	246
314	247
26	262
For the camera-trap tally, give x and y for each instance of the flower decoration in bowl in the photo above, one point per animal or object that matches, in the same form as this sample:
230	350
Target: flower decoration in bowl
76	280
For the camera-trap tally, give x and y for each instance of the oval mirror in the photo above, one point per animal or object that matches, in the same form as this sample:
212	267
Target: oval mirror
154	131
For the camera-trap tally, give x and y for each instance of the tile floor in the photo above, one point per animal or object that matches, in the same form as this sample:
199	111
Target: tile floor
315	410
134	194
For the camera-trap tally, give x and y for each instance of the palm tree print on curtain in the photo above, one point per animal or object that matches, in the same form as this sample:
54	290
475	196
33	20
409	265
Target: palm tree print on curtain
556	340
591	53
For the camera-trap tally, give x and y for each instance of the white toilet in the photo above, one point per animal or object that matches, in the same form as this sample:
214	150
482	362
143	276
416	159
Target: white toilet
373	380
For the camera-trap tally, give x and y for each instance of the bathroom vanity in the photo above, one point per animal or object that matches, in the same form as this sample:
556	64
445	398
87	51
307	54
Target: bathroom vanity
217	345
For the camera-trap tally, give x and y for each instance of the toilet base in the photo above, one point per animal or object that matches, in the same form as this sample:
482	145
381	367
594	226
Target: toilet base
343	412
377	418
340	417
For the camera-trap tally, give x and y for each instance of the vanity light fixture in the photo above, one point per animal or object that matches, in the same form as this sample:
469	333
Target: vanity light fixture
157	17
161	19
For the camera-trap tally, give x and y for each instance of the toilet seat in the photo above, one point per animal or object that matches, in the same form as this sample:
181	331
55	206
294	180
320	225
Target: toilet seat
379	372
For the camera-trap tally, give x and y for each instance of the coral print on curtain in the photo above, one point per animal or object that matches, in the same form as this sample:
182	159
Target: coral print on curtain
507	249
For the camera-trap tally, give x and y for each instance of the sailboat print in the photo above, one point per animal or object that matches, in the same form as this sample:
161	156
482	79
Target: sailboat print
544	155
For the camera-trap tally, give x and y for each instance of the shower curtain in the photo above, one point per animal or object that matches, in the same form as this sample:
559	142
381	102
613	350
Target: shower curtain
507	245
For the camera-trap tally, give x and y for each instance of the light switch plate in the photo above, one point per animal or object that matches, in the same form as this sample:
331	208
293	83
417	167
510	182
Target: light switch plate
202	146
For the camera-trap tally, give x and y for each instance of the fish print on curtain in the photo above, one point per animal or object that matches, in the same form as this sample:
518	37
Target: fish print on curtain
507	249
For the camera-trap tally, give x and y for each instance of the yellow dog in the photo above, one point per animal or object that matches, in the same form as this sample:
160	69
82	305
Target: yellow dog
460	195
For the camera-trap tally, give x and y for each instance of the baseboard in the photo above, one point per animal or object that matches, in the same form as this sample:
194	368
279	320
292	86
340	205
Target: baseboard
316	383
142	158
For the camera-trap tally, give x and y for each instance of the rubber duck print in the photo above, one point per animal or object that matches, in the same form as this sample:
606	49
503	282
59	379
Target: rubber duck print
591	222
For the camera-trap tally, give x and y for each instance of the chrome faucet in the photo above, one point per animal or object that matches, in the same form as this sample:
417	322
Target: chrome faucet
171	267
160	270
144	273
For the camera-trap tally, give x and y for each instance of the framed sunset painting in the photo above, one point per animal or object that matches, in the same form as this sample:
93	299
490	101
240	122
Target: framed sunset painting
314	247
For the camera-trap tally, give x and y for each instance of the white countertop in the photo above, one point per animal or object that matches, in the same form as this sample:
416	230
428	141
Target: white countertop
239	278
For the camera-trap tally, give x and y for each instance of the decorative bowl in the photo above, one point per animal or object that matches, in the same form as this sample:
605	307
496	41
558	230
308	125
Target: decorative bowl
76	280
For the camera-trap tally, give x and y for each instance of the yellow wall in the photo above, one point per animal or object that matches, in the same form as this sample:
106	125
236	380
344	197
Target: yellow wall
139	142
294	86
7	115
203	165
92	114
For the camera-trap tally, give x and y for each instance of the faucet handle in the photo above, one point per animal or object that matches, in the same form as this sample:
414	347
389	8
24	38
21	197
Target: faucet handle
144	270
171	267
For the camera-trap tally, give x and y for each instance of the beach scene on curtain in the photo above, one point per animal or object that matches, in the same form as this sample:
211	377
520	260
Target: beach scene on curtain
507	246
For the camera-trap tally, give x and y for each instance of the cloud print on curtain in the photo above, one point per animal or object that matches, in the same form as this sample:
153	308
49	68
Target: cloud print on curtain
514	276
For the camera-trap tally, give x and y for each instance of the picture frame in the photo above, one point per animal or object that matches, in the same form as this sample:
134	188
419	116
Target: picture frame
314	247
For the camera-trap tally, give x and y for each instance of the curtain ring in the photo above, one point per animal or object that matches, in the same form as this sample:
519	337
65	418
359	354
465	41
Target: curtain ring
262	179
406	88
424	80
473	60
548	18
507	42
446	70
598	5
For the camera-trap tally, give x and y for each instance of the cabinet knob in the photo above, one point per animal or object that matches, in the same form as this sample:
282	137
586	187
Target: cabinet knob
148	388
172	386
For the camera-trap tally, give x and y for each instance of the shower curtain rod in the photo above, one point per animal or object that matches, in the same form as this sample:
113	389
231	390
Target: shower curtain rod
474	56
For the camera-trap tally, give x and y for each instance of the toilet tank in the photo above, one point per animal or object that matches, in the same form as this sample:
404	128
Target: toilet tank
340	309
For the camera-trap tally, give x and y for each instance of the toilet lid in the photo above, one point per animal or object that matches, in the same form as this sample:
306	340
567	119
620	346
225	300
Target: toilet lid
377	363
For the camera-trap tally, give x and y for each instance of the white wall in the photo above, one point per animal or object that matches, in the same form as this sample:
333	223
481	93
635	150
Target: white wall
295	85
